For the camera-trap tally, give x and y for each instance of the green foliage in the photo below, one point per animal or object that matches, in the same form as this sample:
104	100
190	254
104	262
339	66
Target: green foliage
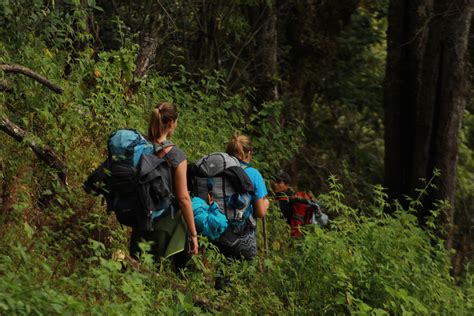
61	253
464	203
366	263
275	139
60	25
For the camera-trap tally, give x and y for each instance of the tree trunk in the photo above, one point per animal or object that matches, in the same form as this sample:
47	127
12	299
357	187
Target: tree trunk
267	63
207	41
425	96
148	42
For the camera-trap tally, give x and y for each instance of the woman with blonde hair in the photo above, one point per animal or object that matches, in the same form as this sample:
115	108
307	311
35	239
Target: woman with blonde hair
170	232
244	244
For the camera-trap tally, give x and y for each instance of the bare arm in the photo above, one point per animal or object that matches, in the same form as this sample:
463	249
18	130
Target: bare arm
184	201
261	207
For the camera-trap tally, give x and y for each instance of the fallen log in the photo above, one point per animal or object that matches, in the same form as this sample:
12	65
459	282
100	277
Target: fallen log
14	68
43	152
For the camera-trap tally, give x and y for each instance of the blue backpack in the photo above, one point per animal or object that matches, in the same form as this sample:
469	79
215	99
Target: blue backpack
136	183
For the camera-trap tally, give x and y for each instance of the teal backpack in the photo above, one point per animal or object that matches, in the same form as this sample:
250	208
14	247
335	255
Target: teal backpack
136	183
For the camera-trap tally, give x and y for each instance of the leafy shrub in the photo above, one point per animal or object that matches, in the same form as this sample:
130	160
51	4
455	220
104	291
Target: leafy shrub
379	264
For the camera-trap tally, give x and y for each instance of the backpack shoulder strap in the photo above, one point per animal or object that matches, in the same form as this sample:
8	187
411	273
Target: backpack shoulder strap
299	197
160	146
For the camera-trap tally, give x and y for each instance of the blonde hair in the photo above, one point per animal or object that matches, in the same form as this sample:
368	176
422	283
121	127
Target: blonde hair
239	146
160	118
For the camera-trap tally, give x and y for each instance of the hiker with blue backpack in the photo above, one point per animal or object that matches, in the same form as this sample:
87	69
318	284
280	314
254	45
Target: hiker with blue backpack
241	148
228	194
144	183
169	230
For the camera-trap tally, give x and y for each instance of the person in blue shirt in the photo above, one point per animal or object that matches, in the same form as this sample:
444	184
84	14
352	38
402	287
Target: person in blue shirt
241	147
241	241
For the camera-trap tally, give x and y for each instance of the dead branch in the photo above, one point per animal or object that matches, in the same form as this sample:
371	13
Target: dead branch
43	152
14	68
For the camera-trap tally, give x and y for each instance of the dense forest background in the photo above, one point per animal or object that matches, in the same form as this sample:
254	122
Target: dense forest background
367	104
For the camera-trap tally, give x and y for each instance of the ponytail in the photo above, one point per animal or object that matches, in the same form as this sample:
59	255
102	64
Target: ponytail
163	114
239	146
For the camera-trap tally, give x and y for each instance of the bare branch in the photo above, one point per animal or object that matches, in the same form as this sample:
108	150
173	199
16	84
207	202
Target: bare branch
43	152
14	68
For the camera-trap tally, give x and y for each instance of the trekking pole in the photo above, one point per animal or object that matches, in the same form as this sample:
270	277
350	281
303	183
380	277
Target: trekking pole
264	228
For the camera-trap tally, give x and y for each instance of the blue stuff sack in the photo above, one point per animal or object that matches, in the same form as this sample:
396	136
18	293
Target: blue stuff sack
210	221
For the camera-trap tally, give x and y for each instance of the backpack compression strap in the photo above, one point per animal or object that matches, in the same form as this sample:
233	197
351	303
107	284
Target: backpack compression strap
253	194
282	196
210	185
165	144
301	197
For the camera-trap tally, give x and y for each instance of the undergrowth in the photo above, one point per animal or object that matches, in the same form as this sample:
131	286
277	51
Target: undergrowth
366	262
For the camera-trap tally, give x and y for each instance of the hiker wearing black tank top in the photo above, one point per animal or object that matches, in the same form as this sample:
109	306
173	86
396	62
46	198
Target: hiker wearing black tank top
170	232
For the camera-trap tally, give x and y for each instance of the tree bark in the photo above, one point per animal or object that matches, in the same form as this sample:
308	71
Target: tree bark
425	96
151	35
30	73
267	62
45	153
148	42
207	41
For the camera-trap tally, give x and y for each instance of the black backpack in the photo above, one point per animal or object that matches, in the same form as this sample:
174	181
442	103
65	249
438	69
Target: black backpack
136	183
